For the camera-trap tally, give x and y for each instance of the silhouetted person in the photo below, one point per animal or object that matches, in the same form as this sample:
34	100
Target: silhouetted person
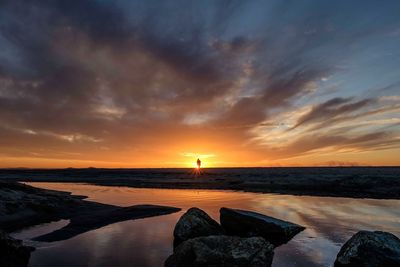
198	163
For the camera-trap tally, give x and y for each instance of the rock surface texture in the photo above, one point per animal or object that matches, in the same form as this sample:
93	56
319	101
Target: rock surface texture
195	223
222	251
247	224
12	252
370	249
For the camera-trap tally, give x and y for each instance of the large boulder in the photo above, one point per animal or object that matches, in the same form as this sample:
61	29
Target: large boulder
370	249
195	223
219	251
12	252
247	223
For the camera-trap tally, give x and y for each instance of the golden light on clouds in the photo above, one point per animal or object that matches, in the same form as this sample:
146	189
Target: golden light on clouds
118	90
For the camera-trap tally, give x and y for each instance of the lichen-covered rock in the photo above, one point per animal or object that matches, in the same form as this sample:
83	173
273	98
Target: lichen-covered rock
12	252
222	251
370	249
247	223
195	223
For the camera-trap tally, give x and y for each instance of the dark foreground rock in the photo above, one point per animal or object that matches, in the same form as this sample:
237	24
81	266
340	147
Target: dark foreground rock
93	220
247	223
195	223
222	251
12	252
22	205
370	249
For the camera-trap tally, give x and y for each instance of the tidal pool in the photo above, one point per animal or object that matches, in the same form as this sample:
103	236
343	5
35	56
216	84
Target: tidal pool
330	221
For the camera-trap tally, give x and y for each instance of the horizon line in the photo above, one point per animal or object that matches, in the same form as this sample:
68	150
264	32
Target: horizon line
242	167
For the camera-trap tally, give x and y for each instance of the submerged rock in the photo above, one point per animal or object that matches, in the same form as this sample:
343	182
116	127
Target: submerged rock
370	249
219	251
12	252
247	223
194	223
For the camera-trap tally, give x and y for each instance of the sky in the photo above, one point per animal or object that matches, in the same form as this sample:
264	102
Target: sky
237	83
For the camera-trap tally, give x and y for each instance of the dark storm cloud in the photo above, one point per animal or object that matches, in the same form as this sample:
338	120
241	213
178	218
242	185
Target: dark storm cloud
31	26
56	88
67	87
114	70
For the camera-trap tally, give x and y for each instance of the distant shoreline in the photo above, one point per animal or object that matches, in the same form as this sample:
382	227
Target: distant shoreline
353	182
188	168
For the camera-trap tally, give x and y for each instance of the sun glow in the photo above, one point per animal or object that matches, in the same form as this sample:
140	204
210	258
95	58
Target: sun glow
194	157
204	164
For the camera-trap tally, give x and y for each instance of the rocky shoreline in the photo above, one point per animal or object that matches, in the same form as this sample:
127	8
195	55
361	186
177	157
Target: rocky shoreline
247	238
242	238
12	252
23	206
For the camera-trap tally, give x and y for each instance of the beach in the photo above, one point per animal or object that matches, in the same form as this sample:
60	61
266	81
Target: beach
354	182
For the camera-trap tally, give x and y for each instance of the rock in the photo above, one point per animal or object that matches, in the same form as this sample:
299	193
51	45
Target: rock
12	252
23	205
247	223
370	249
218	251
102	217
195	223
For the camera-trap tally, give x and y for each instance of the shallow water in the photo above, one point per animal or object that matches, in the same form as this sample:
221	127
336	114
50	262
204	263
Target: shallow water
148	242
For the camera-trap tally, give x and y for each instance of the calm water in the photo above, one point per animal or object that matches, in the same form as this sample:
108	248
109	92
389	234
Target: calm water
148	242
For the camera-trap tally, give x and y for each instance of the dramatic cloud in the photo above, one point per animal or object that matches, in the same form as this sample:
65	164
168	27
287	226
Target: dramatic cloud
147	83
331	110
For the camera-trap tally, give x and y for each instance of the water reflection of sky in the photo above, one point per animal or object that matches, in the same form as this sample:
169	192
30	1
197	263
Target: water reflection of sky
147	242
